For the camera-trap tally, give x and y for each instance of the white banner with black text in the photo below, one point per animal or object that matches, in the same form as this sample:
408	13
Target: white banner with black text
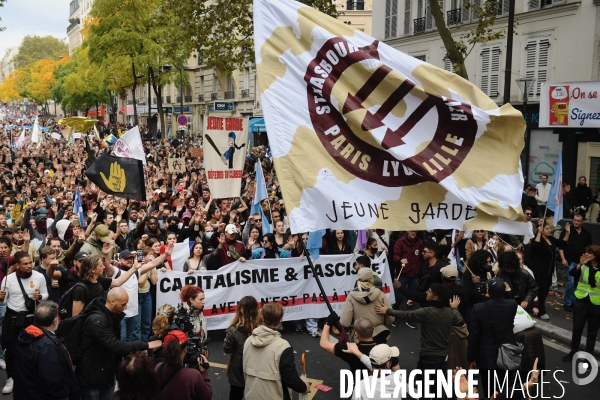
289	282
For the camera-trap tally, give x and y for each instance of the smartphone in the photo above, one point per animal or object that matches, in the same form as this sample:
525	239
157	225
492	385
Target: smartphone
140	255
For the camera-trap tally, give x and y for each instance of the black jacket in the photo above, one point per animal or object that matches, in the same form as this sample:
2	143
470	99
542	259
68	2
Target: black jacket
523	286
543	256
102	347
482	347
582	196
43	369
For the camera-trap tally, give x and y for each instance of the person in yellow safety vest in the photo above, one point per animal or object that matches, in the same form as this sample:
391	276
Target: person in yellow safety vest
587	303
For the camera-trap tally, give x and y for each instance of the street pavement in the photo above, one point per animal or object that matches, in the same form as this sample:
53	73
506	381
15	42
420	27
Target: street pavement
325	368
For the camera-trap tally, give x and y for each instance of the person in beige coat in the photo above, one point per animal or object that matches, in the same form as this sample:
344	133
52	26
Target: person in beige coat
361	303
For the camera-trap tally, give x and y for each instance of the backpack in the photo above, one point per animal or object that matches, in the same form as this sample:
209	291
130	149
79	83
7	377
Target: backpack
65	303
71	333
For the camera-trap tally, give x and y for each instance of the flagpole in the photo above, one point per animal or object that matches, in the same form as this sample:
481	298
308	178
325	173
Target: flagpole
314	272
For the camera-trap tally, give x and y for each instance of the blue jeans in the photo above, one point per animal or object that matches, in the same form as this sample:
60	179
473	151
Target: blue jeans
130	328
102	393
145	315
311	325
407	283
570	287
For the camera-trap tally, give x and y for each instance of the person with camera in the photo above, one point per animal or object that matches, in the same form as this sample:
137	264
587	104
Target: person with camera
193	301
176	380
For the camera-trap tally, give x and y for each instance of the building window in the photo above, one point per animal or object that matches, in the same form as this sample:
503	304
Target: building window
448	64
391	18
422	57
355	5
470	11
246	78
537	63
490	71
537	4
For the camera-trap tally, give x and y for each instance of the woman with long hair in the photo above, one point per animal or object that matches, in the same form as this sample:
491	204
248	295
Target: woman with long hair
270	249
177	381
543	256
137	379
197	260
338	243
193	300
163	323
252	241
245	320
478	241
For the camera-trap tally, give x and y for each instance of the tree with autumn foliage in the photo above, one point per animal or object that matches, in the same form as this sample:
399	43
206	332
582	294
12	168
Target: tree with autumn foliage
42	79
222	30
8	90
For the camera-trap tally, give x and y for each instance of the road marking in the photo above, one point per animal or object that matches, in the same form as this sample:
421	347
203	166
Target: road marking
312	381
555	346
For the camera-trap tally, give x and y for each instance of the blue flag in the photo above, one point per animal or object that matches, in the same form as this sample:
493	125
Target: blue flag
314	244
555	198
260	193
78	208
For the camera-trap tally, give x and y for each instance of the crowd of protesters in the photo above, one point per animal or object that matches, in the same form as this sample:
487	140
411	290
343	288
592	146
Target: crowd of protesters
48	257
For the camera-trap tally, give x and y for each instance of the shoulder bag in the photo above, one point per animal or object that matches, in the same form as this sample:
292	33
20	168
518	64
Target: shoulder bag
30	303
509	355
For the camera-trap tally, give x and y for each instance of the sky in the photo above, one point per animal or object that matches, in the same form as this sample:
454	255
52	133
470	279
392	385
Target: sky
32	17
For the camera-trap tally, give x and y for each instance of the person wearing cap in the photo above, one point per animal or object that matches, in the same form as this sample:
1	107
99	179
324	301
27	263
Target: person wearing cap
491	326
528	200
365	262
70	276
21	242
381	357
40	230
102	347
360	302
178	381
227	248
436	321
96	241
268	361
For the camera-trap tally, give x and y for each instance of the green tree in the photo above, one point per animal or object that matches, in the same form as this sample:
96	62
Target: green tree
222	30
458	49
141	32
36	48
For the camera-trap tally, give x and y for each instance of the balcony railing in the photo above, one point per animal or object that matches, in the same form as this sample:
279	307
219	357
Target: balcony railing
214	96
454	17
245	93
419	25
187	99
200	97
229	95
168	99
73	24
355	5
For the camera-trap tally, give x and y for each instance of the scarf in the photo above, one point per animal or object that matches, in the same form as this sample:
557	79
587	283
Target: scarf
41	227
74	271
23	275
69	234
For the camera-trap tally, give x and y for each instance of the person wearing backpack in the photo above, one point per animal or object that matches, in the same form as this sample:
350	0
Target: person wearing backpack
101	346
43	366
19	291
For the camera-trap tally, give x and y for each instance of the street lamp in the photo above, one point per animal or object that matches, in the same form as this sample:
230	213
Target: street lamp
525	85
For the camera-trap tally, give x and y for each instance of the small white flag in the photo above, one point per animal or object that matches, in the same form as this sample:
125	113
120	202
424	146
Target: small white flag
130	145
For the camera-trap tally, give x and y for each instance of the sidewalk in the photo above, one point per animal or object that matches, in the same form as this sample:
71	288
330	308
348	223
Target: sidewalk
560	325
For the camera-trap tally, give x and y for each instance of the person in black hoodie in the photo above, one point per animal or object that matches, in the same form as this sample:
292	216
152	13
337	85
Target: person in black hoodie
523	287
582	197
543	257
102	347
43	367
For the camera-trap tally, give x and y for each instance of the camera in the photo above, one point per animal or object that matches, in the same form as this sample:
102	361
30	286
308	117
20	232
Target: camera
140	255
196	347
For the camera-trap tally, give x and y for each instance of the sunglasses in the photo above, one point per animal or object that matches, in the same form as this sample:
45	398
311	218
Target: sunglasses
527	213
480	231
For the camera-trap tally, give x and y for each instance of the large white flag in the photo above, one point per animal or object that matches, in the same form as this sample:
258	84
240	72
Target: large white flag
21	139
130	145
365	136
36	136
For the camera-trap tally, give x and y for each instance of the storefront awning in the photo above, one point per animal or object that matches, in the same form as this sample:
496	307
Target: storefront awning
257	125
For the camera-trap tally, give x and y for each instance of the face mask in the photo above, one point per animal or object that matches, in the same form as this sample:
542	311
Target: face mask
208	235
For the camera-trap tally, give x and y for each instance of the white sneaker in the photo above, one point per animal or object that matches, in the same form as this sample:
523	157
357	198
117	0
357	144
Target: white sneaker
545	316
2	363
8	387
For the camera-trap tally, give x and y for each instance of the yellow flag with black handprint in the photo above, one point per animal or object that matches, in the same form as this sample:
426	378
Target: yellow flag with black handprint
123	177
